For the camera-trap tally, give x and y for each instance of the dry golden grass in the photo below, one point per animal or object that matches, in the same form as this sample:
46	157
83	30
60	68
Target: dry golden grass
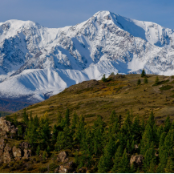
94	98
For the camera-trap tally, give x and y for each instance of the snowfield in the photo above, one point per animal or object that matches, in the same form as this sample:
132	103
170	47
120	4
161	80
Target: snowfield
38	62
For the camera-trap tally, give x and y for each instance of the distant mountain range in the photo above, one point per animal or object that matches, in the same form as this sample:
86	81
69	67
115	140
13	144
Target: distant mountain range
37	62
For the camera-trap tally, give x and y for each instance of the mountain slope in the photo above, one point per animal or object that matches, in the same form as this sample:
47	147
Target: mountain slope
37	62
121	93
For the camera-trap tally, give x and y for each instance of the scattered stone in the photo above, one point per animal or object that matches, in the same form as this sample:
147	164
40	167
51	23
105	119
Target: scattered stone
27	154
62	156
82	170
25	145
17	153
136	159
56	170
7	155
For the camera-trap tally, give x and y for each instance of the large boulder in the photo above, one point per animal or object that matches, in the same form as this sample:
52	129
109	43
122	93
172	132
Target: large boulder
62	157
25	145
136	159
7	155
6	127
17	153
27	154
68	168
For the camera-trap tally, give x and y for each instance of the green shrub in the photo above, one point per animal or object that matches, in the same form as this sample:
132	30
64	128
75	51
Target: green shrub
42	169
138	82
52	167
166	87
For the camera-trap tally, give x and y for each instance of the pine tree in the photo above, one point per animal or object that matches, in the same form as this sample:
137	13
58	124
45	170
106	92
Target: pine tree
143	74
105	162
139	82
67	120
31	133
38	151
113	117
61	141
170	166
124	164
145	80
44	155
149	156
20	131
54	134
152	166
167	124
74	121
25	117
117	159
136	130
59	119
147	138
36	121
104	78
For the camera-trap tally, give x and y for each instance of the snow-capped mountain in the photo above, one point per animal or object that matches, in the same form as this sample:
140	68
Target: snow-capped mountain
37	62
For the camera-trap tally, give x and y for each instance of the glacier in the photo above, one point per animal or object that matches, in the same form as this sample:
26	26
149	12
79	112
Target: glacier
37	62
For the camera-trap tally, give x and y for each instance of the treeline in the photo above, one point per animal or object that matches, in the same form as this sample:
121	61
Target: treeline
104	147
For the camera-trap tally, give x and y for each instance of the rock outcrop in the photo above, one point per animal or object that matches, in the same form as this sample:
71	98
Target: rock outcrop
6	127
137	160
7	155
27	154
62	157
17	153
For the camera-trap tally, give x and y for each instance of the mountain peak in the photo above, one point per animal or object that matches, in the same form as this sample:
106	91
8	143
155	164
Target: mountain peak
37	61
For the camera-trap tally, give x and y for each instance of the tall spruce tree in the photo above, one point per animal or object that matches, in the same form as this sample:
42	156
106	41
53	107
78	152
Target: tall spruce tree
67	119
143	74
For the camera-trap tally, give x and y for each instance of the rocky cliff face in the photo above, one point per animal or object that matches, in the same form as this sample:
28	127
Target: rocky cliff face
37	62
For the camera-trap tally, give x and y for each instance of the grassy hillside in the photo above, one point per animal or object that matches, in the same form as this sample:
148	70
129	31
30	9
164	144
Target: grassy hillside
104	143
120	93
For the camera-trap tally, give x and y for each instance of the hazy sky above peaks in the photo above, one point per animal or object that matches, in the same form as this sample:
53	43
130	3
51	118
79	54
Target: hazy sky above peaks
60	13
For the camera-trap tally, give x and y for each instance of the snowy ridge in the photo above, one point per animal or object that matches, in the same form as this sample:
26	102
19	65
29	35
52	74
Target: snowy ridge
37	62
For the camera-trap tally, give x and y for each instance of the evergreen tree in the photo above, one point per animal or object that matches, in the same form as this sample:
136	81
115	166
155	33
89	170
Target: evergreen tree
25	117
67	120
170	166
152	166
148	158
44	132
105	162
145	80
61	141
31	133
136	130
38	151
74	121
54	134
113	117
80	130
124	164
117	159
36	121
139	82
104	78
167	124
20	131
59	119
147	138
143	74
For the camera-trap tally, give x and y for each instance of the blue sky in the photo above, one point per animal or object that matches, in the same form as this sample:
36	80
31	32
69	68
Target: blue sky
60	13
